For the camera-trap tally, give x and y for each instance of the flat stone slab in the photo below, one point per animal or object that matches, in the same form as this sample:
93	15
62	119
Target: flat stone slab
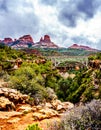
7	115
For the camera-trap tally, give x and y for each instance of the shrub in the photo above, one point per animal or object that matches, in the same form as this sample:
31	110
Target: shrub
4	75
33	127
28	82
82	87
29	79
51	94
83	117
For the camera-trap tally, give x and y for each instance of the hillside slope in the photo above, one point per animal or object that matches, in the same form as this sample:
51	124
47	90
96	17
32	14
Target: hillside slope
87	84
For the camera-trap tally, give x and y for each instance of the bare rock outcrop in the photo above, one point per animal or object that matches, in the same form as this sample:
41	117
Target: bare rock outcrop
47	110
11	97
61	106
6	104
13	100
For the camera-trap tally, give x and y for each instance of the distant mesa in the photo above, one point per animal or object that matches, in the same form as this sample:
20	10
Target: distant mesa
76	46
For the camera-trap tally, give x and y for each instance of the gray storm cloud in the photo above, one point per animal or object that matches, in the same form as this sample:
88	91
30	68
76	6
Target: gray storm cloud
73	10
49	2
81	39
15	22
3	5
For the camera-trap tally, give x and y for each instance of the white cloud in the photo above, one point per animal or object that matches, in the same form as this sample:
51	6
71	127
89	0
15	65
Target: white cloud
91	30
19	17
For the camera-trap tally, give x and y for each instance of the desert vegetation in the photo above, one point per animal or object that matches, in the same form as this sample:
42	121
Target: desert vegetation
33	127
33	78
83	117
41	81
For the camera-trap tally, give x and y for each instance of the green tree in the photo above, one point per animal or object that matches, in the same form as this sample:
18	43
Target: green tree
27	81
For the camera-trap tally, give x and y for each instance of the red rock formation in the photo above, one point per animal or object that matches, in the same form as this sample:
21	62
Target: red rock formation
46	42
26	41
41	39
47	38
7	40
76	46
26	38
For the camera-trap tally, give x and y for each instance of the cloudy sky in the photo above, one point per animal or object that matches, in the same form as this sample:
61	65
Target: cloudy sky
66	21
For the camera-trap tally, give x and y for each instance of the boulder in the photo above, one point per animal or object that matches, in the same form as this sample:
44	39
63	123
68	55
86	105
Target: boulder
68	105
44	113
49	112
6	104
25	108
49	105
61	106
9	115
13	95
55	103
15	120
38	116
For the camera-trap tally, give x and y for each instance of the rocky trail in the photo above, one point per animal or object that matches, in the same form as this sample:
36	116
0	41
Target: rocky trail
20	122
16	113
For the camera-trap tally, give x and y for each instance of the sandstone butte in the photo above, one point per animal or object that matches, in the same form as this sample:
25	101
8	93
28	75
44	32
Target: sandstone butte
44	42
7	40
27	38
